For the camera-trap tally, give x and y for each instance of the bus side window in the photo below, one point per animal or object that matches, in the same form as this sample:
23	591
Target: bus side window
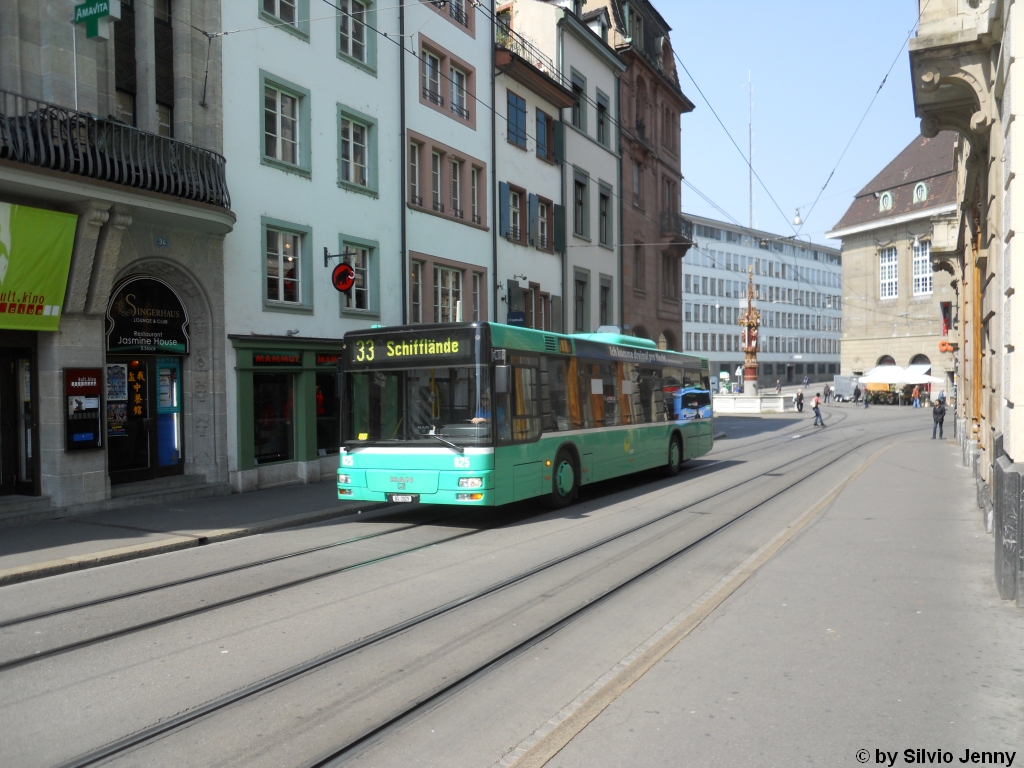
691	374
526	418
609	399
629	398
585	390
554	395
652	399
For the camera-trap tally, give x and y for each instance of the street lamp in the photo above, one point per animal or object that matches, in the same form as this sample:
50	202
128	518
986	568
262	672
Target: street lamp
797	221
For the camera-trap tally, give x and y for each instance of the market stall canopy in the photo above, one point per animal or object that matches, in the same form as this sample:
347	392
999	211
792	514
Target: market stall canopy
894	374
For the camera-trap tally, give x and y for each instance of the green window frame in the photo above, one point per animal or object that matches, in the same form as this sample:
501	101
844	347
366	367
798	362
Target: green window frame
581	213
578	113
299	28
305	233
371	125
304	167
606	228
603	119
372	275
369	62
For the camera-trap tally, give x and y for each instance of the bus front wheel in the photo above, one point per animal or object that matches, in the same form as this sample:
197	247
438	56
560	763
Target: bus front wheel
675	456
563	480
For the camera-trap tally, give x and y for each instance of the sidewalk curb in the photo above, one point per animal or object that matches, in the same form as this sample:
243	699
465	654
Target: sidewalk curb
172	543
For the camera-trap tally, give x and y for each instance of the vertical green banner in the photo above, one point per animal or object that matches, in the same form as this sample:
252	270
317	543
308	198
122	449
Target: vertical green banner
35	256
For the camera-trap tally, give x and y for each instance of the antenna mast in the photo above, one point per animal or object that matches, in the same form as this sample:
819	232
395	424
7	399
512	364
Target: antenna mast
750	146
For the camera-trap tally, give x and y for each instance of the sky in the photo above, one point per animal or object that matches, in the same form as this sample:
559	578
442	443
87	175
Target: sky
814	65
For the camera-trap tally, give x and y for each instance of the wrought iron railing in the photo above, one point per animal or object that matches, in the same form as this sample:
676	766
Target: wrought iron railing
641	129
45	135
439	207
456	212
461	111
456	11
676	225
519	45
476	218
416	200
433	96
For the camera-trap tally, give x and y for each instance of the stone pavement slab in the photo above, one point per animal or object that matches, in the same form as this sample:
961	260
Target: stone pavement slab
57	546
876	628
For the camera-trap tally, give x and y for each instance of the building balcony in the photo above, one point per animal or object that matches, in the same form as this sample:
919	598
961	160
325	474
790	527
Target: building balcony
521	60
46	136
677	226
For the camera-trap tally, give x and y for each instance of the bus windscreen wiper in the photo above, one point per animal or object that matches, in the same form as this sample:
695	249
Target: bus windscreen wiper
449	443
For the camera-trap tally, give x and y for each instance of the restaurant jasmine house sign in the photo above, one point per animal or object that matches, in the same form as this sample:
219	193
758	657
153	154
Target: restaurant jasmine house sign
98	15
145	315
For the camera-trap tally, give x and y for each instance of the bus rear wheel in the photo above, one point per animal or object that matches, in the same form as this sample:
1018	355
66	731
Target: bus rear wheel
675	456
563	480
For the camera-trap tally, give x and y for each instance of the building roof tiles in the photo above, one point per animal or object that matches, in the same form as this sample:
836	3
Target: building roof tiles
928	160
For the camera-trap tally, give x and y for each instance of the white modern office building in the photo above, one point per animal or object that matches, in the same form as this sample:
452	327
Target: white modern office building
798	290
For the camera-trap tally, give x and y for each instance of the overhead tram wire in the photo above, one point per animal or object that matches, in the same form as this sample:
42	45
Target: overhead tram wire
866	111
745	158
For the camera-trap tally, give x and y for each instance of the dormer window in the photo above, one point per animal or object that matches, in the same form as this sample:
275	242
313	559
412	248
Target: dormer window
885	201
920	192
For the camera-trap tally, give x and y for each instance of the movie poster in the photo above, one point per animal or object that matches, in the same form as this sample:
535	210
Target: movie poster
117	382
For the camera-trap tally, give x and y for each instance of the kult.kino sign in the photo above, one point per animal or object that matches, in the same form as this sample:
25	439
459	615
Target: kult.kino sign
146	315
97	15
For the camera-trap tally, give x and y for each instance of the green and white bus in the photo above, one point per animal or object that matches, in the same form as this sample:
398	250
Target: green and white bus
487	414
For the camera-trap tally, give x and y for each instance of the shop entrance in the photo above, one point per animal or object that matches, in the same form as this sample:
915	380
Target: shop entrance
16	437
144	434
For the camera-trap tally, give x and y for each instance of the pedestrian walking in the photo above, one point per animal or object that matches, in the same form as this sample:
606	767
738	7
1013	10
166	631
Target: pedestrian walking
816	407
856	395
800	401
827	393
938	416
916	394
778	387
807	380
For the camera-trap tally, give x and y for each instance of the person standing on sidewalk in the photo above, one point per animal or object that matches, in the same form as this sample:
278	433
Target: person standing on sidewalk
778	387
816	407
800	401
938	416
856	395
916	394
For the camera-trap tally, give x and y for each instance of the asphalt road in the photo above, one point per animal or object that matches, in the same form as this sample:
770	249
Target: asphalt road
433	637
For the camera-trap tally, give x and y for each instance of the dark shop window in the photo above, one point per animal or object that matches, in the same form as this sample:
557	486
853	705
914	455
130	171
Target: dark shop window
273	399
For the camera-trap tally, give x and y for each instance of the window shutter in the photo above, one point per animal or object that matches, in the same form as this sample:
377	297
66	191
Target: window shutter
559	142
556	314
559	228
503	225
532	227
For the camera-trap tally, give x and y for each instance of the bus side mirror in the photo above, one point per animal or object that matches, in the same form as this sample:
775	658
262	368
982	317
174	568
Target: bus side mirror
502	379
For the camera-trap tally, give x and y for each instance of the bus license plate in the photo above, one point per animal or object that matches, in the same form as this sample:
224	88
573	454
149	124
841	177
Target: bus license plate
403	497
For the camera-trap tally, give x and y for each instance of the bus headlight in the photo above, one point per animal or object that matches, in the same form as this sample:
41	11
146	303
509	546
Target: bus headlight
468	496
345	479
471	482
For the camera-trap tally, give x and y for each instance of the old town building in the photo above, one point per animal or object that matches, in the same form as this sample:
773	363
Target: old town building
655	236
113	208
964	80
896	311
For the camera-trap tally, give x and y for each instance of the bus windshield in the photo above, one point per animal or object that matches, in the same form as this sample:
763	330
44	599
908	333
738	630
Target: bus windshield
419	405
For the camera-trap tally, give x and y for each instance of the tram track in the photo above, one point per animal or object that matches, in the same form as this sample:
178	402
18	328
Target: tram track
53	612
410	709
191	612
